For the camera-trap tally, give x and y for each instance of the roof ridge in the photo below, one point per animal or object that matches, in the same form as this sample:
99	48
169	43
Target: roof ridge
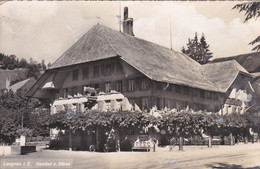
110	46
235	56
237	65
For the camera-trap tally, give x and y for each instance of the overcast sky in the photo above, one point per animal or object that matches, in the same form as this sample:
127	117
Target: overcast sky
45	30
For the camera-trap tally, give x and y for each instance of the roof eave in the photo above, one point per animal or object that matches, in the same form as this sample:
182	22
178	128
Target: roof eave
76	64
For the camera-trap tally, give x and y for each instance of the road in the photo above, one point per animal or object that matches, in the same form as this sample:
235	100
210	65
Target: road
237	157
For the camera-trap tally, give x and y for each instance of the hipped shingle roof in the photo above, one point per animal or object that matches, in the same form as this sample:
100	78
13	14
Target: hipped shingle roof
222	74
156	62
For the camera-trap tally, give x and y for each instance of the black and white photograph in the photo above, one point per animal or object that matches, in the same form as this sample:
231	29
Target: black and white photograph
129	84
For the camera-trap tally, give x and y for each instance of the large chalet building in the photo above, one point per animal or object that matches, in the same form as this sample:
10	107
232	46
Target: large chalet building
146	73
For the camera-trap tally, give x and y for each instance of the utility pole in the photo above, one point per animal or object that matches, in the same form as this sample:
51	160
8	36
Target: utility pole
119	17
171	31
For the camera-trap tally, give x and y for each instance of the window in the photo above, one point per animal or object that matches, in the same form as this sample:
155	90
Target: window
159	86
215	96
178	105
96	86
75	74
186	104
169	88
119	86
107	69
168	103
107	87
144	103
202	107
85	73
173	88
96	71
202	93
195	92
173	103
65	92
131	85
119	68
81	89
144	84
216	109
74	90
209	94
178	88
132	101
112	68
186	90
102	67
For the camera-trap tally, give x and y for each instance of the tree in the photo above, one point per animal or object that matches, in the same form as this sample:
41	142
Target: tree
9	124
34	68
37	121
49	65
33	71
23	63
43	65
12	109
198	50
252	10
18	112
10	62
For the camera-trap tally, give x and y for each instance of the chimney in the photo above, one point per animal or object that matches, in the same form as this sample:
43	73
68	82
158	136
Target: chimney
127	23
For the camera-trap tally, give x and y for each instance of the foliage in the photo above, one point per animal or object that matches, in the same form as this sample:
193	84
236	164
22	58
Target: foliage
198	50
37	122
184	123
9	62
34	70
12	62
9	124
252	10
16	112
91	119
24	132
176	125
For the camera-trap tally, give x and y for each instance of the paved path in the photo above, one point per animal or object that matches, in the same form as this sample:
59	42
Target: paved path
237	157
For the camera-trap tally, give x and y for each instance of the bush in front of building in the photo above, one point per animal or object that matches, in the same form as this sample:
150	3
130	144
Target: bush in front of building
55	144
187	126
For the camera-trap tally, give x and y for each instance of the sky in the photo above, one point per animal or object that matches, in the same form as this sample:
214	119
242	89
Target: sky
44	30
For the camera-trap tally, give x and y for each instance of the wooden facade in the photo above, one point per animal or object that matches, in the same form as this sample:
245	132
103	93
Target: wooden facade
115	74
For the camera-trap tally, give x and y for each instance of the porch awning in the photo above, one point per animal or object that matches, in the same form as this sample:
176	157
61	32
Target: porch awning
49	85
70	101
110	96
